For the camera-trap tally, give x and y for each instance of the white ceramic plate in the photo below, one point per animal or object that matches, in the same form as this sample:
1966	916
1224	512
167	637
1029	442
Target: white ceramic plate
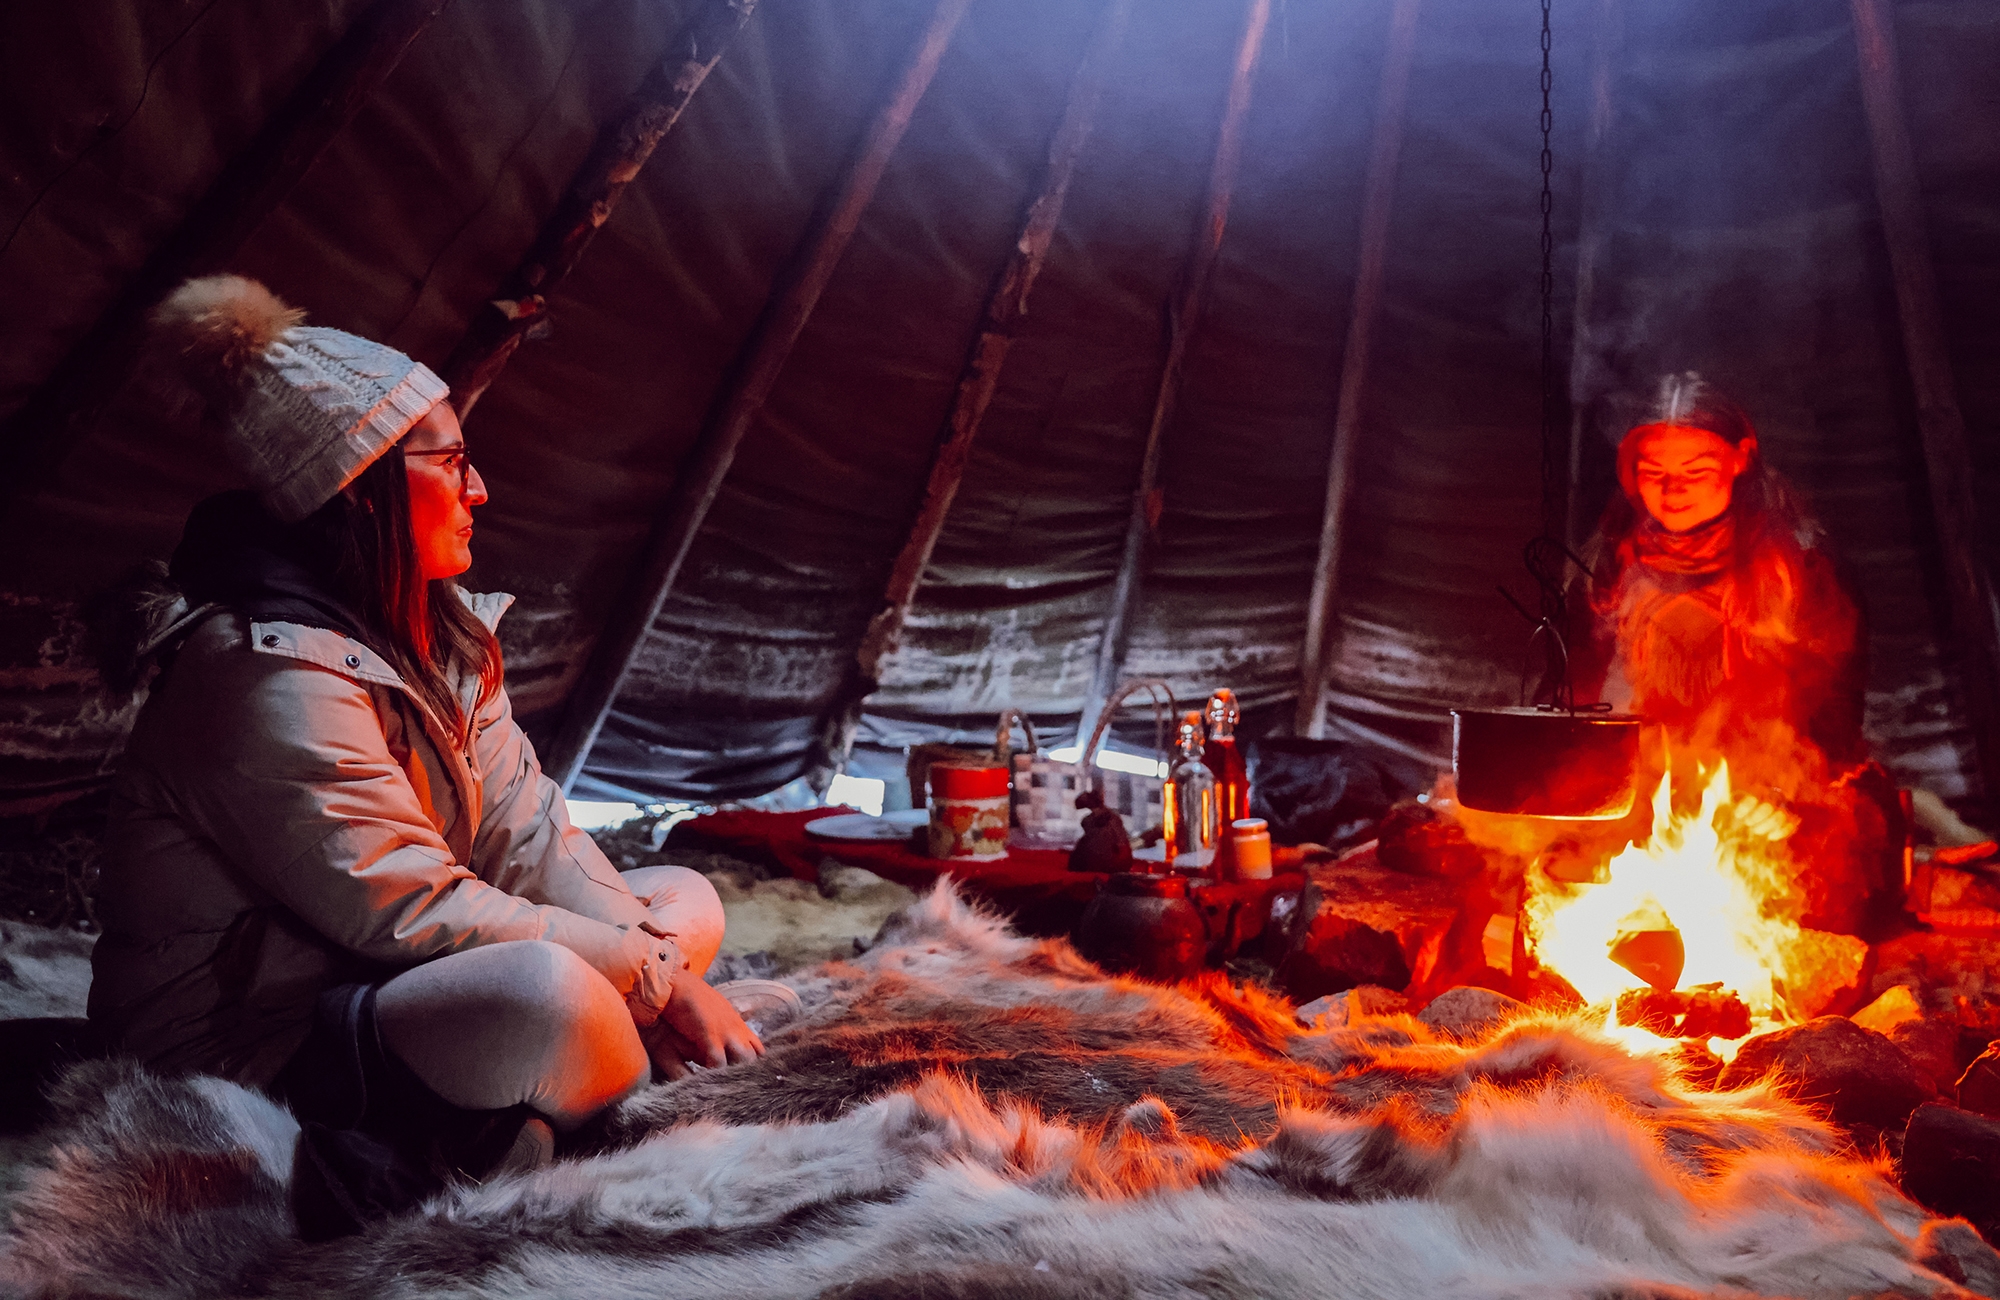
893	826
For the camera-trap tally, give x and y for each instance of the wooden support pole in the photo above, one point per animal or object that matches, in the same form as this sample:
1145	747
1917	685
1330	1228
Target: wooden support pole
1006	312
1940	423
248	189
763	359
622	148
1592	238
1377	199
1184	306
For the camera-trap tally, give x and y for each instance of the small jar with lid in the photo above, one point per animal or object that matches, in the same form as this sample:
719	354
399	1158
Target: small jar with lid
1250	844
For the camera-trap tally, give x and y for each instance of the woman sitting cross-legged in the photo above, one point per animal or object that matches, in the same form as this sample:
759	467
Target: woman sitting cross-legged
335	869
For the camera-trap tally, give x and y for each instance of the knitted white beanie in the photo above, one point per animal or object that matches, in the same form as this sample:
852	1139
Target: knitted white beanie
303	409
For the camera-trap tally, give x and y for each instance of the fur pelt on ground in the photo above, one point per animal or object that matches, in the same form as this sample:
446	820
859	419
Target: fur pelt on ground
43	972
965	1113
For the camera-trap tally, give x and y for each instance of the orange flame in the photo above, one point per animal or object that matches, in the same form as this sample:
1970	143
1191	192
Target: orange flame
1712	881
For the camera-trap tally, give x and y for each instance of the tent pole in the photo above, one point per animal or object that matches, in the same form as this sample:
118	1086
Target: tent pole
1006	311
1377	200
1592	238
248	189
763	359
622	148
1183	312
1940	422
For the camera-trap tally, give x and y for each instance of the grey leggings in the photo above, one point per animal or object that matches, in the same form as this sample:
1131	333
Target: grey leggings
530	1021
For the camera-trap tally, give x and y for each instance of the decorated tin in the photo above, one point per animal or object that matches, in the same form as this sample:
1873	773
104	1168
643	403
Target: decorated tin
968	809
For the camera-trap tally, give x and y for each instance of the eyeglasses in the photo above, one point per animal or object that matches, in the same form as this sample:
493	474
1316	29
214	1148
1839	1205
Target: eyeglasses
445	455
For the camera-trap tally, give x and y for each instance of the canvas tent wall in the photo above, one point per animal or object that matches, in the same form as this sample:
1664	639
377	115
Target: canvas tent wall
1735	225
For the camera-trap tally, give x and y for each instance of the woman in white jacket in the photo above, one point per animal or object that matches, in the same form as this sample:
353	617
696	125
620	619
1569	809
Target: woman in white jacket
335	869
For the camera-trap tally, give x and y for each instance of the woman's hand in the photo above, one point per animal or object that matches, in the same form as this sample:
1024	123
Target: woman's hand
1760	819
698	1026
655	960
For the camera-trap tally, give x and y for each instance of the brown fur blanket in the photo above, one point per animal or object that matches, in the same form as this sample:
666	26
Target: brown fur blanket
965	1113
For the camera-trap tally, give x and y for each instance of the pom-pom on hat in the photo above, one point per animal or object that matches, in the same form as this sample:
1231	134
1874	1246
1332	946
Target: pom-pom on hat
303	409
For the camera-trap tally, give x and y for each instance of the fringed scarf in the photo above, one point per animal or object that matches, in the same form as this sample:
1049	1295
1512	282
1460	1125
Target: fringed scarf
1673	610
1701	550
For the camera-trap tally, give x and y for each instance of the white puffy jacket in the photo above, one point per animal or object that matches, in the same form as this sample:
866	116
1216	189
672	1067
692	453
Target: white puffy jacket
289	816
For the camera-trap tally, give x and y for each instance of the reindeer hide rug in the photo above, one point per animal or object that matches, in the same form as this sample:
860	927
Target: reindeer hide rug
965	1113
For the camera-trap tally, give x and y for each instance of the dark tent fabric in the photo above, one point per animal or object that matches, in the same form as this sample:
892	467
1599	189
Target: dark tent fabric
1741	237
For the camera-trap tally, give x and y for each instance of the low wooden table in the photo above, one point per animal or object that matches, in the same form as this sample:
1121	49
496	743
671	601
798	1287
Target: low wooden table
1033	887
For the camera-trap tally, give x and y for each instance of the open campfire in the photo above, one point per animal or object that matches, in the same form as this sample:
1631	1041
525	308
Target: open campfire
1683	937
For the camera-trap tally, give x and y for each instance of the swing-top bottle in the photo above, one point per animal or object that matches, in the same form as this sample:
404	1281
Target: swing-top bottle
1192	823
1232	776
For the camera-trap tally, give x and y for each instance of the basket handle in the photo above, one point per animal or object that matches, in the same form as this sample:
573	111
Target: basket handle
1162	694
1003	736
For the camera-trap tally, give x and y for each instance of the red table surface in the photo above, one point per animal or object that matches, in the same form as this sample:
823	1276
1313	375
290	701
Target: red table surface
1033	886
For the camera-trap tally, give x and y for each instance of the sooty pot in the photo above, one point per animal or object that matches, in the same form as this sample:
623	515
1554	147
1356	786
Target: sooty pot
1546	762
1143	925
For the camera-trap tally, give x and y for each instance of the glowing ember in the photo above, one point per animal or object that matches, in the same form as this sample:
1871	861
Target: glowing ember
1706	878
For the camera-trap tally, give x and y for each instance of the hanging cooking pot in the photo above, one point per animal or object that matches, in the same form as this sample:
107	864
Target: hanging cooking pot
1544	762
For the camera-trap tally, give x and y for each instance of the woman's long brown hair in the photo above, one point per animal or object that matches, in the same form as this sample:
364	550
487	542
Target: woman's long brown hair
425	631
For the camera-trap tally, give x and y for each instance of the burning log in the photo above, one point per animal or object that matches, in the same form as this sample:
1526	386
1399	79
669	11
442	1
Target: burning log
1862	1077
1709	1011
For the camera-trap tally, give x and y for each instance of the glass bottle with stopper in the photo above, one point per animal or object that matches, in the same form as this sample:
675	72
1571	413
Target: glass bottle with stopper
1193	822
1232	777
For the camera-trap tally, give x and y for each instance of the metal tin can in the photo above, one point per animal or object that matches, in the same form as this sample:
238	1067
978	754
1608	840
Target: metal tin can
968	810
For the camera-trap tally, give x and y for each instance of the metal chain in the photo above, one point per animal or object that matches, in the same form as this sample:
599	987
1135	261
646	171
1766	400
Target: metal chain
1545	555
1555	454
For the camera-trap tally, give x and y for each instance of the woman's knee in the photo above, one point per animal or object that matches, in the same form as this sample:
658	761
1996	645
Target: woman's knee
554	985
524	1021
686	906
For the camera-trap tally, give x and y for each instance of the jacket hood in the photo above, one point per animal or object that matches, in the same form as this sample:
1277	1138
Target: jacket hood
236	554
